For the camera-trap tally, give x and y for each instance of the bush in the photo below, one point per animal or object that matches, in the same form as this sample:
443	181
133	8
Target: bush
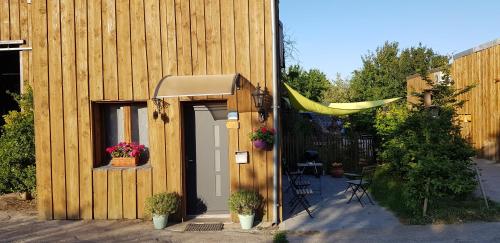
427	156
280	237
245	202
163	203
17	147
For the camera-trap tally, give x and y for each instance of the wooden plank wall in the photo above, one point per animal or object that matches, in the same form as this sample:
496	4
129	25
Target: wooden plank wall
15	24
119	50
483	102
482	68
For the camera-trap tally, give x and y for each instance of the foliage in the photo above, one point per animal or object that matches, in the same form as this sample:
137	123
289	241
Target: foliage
264	134
163	203
426	151
280	237
312	84
389	189
390	118
245	202
124	149
339	91
17	147
383	75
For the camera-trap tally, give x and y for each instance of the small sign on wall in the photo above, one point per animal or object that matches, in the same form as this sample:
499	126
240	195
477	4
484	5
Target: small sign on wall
241	157
232	115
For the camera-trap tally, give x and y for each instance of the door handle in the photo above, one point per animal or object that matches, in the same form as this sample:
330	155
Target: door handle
191	160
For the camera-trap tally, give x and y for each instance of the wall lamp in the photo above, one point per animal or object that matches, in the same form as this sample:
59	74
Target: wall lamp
260	98
160	106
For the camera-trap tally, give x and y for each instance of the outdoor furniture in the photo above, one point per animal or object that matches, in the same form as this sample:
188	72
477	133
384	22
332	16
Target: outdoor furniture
299	195
362	184
296	177
315	165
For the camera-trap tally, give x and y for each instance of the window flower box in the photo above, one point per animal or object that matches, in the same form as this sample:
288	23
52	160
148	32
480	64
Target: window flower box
125	154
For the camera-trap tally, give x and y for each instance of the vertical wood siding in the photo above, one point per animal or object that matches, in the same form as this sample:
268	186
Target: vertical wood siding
15	24
483	103
108	50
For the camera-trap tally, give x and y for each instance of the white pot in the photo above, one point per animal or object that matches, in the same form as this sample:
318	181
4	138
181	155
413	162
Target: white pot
246	221
160	221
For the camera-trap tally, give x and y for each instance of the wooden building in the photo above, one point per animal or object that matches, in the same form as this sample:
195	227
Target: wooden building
96	66
480	117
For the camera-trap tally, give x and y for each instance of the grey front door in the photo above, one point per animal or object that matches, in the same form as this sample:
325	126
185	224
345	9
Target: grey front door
206	153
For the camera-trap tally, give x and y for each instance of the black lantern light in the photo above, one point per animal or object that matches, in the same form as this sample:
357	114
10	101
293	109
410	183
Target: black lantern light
259	97
160	107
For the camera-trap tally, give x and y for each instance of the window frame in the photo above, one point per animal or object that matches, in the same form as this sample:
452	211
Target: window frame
99	129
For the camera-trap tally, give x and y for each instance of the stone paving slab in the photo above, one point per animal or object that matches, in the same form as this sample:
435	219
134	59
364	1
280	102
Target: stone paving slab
332	213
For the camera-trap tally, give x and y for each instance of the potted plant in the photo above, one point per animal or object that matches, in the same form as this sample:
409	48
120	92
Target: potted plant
160	206
245	203
125	154
262	138
337	169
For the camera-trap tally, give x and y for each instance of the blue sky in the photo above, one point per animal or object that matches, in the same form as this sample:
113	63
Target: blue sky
332	35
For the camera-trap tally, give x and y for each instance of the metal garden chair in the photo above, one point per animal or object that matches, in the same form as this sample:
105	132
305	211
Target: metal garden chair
362	184
299	195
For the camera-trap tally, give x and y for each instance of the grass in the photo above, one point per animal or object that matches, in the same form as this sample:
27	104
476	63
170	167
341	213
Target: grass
389	193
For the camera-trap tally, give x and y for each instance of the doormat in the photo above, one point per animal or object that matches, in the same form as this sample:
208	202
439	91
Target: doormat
205	227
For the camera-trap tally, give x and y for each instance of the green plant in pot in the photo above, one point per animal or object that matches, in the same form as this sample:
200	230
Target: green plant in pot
160	206
245	203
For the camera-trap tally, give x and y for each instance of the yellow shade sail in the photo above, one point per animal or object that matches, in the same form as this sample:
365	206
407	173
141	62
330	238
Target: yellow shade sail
337	109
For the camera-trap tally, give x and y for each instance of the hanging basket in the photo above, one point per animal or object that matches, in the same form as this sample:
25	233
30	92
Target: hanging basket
261	145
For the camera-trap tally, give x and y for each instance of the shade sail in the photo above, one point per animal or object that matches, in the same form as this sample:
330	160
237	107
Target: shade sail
196	85
302	103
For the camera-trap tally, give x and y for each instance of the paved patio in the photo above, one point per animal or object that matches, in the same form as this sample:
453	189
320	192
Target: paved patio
331	211
490	175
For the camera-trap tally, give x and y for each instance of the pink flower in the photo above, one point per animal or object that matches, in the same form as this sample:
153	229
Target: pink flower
110	149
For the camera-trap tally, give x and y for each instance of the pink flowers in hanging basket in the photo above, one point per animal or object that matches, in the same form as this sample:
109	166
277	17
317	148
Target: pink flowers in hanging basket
126	150
263	138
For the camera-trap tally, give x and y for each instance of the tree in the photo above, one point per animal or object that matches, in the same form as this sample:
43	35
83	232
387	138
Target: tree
312	84
384	72
426	151
339	91
383	75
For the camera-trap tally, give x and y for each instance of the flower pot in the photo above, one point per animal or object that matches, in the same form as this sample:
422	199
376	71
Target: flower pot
160	221
124	161
246	221
337	171
262	145
24	196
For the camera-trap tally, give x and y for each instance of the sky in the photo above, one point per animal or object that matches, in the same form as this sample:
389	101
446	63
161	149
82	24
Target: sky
333	35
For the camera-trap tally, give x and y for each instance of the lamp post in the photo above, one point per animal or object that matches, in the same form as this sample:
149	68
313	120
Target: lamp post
259	98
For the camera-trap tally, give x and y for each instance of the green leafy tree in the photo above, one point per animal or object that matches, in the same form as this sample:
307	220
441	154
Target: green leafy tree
17	147
338	92
312	84
425	150
383	75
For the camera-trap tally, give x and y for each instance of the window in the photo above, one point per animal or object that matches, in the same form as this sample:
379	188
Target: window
10	81
119	122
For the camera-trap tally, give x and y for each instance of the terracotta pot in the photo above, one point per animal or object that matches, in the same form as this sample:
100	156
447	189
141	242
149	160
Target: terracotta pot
260	144
337	171
125	161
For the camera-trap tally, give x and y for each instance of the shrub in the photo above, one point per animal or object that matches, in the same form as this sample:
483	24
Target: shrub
245	202
17	147
426	154
163	203
280	237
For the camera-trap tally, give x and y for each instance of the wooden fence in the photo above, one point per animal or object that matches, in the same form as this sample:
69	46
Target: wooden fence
351	151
